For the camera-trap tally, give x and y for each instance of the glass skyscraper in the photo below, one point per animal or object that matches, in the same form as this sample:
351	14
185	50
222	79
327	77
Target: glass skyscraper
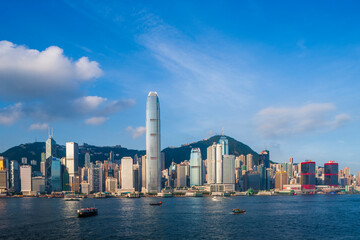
196	168
153	145
56	176
225	145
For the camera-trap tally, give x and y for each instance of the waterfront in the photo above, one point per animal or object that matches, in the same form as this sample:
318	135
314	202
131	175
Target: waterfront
269	217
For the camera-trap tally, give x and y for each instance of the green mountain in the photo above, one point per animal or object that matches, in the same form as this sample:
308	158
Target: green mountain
179	154
32	151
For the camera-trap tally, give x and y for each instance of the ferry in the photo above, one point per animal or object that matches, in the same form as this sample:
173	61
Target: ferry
156	204
237	211
87	212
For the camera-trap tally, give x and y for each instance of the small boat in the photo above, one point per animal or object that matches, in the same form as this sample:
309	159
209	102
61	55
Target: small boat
156	204
236	211
87	212
71	199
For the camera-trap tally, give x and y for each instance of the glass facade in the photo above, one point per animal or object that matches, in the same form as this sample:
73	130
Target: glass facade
56	176
331	174
308	175
153	144
196	168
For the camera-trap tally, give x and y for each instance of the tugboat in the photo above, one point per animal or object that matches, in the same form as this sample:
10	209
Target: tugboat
156	204
237	211
87	212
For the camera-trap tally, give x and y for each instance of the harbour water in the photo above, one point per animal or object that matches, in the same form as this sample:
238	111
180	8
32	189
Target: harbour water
267	217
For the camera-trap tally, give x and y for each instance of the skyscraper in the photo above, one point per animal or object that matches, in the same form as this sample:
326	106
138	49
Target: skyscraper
127	174
264	158
15	176
219	164
56	176
25	178
87	160
72	161
196	168
308	177
249	162
229	170
50	153
153	144
211	164
331	169
225	145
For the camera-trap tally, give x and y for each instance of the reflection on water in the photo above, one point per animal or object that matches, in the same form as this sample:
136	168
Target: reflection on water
269	217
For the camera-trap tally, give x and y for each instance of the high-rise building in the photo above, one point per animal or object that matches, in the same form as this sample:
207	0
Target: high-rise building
211	164
49	154
56	175
96	177
196	168
111	184
153	144
219	164
249	162
38	184
4	175
229	170
225	145
25	178
87	160
143	173
264	158
308	177
127	174
291	160
180	175
281	179
14	176
347	172
262	172
331	170
252	180
72	163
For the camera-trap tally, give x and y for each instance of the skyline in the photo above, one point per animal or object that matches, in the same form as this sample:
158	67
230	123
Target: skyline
289	86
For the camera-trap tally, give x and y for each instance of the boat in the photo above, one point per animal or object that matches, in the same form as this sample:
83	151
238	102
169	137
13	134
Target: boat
237	211
156	204
72	199
87	212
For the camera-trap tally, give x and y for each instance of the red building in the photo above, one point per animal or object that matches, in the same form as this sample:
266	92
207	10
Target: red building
308	177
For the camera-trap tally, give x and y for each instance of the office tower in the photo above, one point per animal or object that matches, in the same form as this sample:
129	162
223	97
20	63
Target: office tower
172	175
24	160
225	145
127	174
111	184
291	160
347	172
196	168
87	160
219	164
56	175
25	178
153	144
72	163
252	180
308	177
211	164
96	177
281	179
14	176
106	169
262	172
331	173
180	175
137	176
38	184
49	154
229	170
143	173
264	158
249	162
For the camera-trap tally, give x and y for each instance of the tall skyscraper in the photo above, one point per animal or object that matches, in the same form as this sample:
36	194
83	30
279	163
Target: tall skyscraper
56	175
225	145
153	144
127	173
249	162
196	168
15	176
87	160
331	169
211	164
72	162
25	178
49	154
229	170
264	158
219	164
308	177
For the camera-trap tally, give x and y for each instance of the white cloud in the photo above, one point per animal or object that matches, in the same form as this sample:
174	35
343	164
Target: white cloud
39	126
277	122
11	114
95	120
29	73
137	132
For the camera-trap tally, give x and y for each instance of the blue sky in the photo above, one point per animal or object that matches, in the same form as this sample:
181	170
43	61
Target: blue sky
278	75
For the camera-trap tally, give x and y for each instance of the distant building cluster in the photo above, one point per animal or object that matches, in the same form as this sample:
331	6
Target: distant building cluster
220	173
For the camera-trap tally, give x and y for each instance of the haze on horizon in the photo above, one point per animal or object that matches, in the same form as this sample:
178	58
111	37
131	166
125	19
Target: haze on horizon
281	75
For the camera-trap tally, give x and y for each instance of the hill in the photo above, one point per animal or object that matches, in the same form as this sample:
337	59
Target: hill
32	151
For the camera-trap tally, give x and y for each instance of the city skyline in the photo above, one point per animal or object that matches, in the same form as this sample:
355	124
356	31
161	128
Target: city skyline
287	86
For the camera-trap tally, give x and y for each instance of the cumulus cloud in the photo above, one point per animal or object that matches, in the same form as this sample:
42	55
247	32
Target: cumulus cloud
39	126
136	132
95	120
28	73
277	122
